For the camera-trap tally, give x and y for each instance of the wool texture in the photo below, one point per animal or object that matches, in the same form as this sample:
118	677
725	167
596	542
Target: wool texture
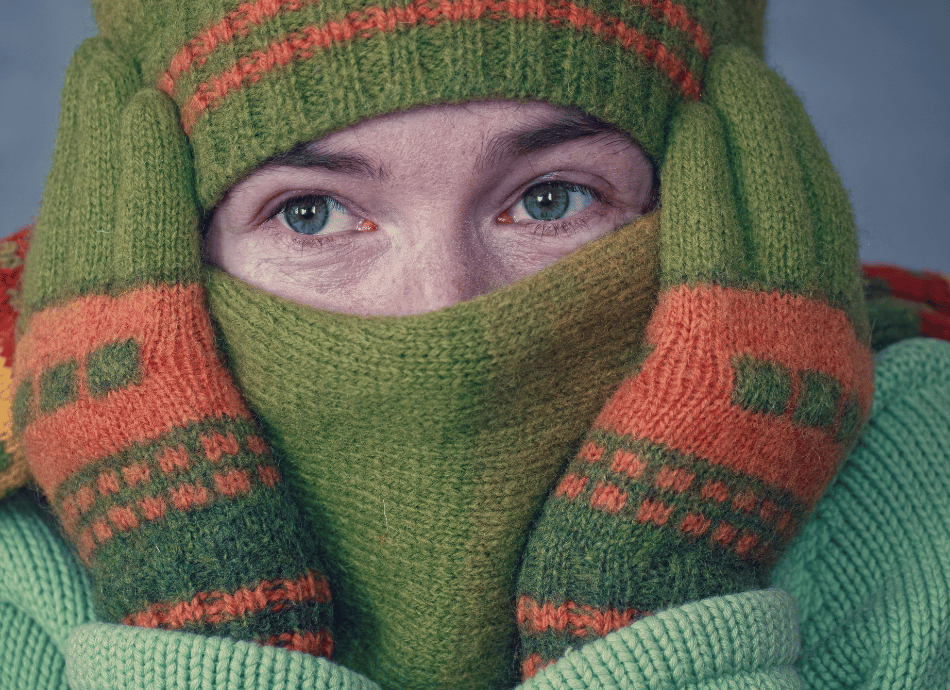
866	587
14	470
273	73
133	428
718	436
756	379
422	467
906	304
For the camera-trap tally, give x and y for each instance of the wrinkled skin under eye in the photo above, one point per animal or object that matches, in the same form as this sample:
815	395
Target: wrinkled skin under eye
312	215
550	201
463	199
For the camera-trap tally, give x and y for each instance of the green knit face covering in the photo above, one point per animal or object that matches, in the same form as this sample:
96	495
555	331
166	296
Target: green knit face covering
421	446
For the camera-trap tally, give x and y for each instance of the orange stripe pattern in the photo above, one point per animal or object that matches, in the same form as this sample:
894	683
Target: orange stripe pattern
238	23
716	450
578	620
219	607
365	23
93	508
696	366
185	351
138	435
681	493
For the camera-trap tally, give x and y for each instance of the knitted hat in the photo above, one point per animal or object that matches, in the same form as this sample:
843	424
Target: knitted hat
752	385
253	79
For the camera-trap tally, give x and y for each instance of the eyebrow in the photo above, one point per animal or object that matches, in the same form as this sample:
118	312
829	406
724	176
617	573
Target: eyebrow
569	127
519	142
310	154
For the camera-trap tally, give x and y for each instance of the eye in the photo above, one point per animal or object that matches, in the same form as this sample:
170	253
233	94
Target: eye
548	201
312	215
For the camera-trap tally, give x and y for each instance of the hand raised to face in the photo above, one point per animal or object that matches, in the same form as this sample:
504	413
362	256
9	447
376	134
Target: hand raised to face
414	211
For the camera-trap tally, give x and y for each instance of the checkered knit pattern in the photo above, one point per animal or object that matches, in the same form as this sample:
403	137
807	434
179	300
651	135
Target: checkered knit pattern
133	427
755	380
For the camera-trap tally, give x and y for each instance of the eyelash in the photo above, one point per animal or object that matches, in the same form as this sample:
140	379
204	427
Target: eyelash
285	234
574	223
558	228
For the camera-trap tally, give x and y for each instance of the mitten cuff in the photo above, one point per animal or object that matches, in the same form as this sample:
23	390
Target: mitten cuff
103	656
747	640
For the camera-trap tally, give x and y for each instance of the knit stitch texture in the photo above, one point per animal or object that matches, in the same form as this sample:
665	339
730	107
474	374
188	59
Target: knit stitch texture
868	575
236	69
133	428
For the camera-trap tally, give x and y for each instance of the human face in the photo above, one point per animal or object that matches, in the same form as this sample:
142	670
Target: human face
413	211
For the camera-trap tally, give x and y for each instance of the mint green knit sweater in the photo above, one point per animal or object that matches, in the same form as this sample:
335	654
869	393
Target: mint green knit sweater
861	600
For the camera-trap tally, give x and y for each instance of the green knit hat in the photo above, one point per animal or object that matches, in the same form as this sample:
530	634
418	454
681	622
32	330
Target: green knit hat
253	79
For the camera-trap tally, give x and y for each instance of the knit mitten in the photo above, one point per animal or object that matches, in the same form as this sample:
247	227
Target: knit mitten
753	385
131	423
905	304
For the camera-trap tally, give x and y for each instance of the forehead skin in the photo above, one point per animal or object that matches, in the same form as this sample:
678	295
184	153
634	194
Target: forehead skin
436	184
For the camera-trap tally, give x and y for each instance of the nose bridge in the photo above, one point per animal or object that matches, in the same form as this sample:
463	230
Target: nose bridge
443	266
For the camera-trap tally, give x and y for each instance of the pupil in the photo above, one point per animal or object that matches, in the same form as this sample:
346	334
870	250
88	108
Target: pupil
307	216
547	201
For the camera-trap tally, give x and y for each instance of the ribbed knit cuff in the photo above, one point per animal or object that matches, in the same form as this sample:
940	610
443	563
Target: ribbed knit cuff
103	656
747	640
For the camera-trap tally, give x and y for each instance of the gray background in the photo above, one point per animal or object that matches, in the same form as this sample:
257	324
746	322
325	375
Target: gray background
874	75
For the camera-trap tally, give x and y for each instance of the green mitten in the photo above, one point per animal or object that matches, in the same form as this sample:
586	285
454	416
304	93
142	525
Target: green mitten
131	424
754	382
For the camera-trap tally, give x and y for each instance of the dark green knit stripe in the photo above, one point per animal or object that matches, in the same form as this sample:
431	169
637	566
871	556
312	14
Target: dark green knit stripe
549	646
767	387
58	386
658	457
850	423
261	625
187	553
521	60
188	436
109	368
23	405
679	515
761	386
818	400
257	37
120	481
633	569
113	367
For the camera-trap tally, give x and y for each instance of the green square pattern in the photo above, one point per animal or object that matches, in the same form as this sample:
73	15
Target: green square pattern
113	367
58	386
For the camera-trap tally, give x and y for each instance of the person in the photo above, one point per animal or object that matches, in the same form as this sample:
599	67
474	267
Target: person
459	344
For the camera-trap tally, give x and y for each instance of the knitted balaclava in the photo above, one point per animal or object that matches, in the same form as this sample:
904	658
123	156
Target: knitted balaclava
752	382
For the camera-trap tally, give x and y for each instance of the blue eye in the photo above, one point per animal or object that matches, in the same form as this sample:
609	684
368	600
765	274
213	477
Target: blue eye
549	201
312	214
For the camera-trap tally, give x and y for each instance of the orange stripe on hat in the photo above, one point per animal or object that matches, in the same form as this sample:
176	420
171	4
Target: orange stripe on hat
362	24
239	22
